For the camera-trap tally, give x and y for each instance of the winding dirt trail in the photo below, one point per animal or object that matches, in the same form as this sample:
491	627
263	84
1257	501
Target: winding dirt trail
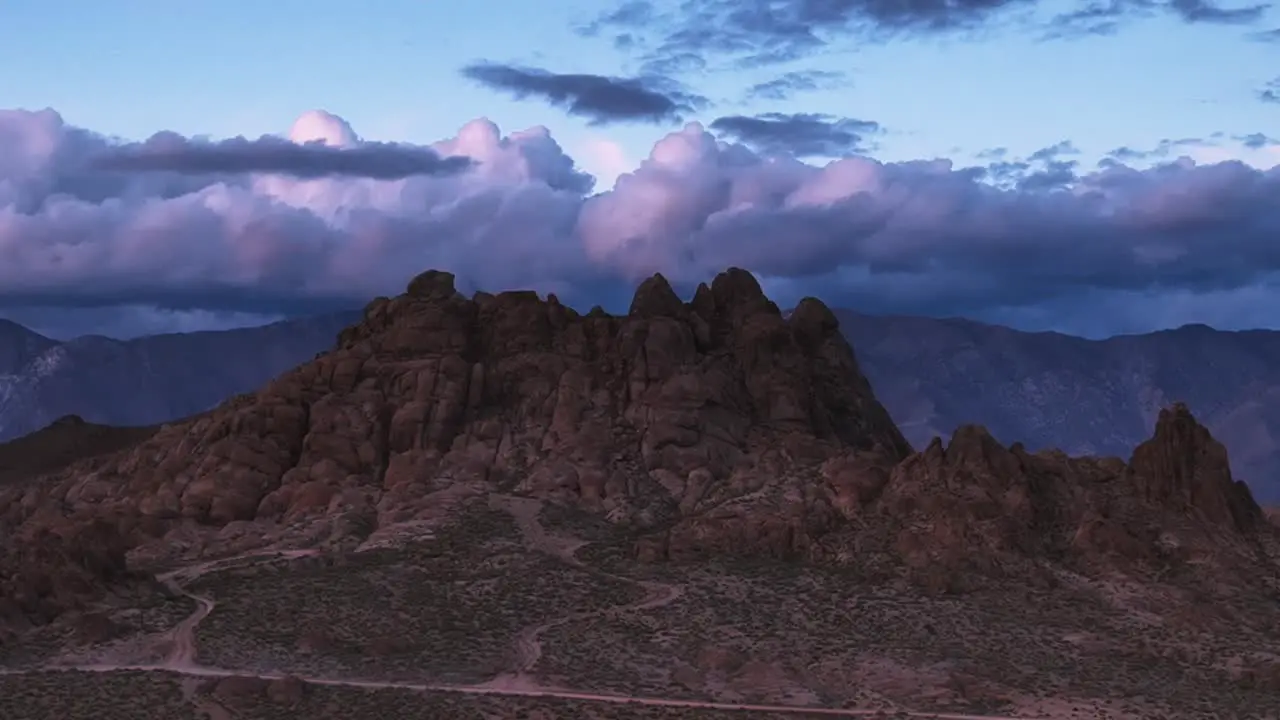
181	659
182	653
528	646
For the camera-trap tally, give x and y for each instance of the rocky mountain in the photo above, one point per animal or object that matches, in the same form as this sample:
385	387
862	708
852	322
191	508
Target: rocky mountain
1041	389
715	442
148	380
709	428
1095	397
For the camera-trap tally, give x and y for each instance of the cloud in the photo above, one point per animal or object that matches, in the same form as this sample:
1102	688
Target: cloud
1162	149
169	152
1091	252
1105	17
789	84
1270	93
1256	141
1202	11
1044	169
603	100
759	32
799	134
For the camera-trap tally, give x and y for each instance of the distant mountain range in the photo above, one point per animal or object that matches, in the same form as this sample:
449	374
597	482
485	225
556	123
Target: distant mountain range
146	380
1043	389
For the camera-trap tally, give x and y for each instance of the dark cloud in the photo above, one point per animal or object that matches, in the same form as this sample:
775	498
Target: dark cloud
169	152
799	134
774	31
1266	36
1163	149
1105	17
789	84
1066	147
1255	141
1038	243
1202	11
1041	171
601	99
1270	92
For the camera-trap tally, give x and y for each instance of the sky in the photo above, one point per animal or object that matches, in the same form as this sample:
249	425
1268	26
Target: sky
1087	167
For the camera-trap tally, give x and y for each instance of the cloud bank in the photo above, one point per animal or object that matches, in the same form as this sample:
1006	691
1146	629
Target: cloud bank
1110	249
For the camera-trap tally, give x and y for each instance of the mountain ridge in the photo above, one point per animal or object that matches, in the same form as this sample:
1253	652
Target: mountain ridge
1048	389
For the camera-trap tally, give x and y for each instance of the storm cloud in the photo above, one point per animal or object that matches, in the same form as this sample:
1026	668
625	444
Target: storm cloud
1118	248
602	100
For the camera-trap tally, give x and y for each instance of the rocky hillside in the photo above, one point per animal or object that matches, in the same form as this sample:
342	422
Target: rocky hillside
1082	396
713	428
148	380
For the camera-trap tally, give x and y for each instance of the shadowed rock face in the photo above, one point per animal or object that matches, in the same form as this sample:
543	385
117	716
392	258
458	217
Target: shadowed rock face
714	427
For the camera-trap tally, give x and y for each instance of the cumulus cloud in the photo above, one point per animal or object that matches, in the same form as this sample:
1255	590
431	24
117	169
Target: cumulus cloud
799	134
600	99
921	237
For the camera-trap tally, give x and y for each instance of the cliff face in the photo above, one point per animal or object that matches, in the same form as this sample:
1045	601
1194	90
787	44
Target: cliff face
709	428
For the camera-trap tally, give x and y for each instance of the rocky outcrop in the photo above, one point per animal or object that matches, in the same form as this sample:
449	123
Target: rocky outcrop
974	508
695	420
711	427
58	566
1184	469
67	440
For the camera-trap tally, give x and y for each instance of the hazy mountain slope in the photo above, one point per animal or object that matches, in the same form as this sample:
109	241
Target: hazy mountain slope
19	346
1084	396
147	380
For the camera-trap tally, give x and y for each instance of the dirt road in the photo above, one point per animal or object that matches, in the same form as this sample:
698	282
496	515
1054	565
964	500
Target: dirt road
519	682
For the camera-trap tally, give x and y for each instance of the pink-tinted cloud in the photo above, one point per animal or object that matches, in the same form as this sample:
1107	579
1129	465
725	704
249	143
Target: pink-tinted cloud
917	237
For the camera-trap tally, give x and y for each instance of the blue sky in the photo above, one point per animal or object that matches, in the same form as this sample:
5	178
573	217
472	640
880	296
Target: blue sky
391	69
830	190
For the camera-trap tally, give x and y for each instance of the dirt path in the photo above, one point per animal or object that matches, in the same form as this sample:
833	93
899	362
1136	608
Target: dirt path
182	639
528	646
181	660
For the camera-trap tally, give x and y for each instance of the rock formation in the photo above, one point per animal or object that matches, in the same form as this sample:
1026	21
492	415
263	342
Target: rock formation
701	428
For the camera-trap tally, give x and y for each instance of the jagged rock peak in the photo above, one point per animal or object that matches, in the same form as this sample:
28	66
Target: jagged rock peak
432	285
1184	468
655	298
